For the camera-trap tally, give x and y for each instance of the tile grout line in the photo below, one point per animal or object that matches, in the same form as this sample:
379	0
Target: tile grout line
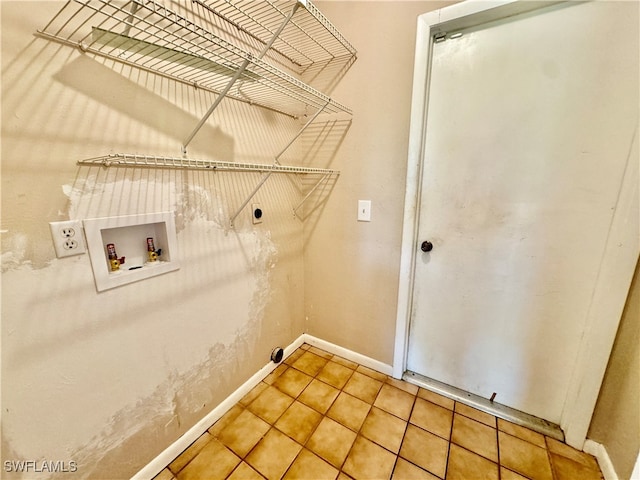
406	428
295	399
453	419
340	469
324	415
358	432
404	434
498	449
397	455
371	405
553	470
408	422
243	459
273	425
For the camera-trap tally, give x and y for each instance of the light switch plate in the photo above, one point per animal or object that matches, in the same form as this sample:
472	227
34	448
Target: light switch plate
364	210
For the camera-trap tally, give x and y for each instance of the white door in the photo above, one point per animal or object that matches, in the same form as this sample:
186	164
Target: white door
527	138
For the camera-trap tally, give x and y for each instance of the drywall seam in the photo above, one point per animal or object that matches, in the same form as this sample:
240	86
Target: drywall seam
599	451
170	453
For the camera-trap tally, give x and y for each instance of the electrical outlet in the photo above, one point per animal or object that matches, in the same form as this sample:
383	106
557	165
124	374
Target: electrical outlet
67	238
256	213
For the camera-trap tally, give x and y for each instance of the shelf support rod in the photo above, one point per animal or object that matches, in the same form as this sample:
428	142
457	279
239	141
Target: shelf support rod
235	77
215	104
276	162
132	15
304	127
315	187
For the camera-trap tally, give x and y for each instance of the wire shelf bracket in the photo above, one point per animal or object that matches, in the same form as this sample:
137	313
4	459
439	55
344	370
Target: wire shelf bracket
276	163
235	77
322	180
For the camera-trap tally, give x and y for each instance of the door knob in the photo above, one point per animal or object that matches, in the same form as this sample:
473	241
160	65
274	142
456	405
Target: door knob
426	246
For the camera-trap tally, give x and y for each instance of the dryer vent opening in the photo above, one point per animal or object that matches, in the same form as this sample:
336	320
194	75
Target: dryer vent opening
277	354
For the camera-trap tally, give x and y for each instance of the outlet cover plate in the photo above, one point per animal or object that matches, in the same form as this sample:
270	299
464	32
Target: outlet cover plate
256	213
68	239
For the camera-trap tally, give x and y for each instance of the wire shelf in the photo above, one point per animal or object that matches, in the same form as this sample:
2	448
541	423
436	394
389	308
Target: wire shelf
150	36
159	162
153	161
219	46
308	39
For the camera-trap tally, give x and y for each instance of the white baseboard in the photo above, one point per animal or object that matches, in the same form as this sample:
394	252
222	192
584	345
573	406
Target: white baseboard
348	354
181	444
602	456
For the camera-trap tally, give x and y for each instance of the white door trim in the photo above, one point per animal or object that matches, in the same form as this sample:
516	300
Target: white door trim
621	251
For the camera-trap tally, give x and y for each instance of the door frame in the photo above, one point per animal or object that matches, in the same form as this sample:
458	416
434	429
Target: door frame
620	253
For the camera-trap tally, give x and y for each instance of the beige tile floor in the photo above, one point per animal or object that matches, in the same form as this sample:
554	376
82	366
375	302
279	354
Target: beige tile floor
319	416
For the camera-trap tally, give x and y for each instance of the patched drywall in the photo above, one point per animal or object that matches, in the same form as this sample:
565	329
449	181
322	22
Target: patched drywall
109	380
